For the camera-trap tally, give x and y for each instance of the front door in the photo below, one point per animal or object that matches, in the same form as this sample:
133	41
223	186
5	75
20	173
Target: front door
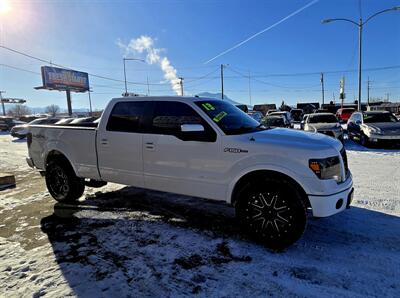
174	164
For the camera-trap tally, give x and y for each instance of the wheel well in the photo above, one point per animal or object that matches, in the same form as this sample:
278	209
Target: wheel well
56	155
266	173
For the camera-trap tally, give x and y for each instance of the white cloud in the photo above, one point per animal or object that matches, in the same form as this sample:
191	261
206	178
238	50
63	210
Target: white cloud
145	45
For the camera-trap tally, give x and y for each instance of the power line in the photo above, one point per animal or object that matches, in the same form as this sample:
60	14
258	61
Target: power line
63	66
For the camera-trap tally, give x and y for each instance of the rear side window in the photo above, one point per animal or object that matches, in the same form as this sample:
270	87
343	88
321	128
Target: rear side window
168	116
127	116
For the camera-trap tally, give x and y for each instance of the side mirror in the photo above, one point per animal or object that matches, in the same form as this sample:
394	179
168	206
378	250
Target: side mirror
192	128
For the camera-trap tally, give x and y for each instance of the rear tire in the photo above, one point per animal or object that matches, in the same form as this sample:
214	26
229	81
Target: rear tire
272	211
61	181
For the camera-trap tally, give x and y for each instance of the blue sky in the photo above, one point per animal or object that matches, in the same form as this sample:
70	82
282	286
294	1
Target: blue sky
84	34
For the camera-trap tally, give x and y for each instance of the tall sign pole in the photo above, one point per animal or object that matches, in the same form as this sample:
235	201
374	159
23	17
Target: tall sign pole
69	102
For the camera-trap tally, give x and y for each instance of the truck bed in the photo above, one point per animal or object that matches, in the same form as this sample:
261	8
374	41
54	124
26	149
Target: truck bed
77	143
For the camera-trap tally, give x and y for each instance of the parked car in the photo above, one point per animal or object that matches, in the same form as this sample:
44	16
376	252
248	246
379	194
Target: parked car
65	121
6	123
82	120
269	112
285	114
275	121
201	147
21	131
325	123
344	114
377	127
256	115
296	114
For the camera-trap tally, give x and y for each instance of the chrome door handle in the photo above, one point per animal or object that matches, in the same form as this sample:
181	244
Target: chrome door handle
104	141
149	145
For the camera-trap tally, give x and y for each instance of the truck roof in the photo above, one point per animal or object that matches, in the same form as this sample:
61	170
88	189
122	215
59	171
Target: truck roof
167	98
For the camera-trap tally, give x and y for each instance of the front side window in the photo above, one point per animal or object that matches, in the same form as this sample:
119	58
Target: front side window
229	118
126	116
168	116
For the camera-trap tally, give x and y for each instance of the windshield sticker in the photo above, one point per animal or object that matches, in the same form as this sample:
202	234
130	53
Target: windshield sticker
220	116
208	106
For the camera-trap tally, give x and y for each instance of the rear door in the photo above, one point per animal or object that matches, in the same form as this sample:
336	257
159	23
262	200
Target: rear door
119	143
173	164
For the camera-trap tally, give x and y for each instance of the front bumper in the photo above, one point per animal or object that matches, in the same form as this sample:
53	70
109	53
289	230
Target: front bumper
327	205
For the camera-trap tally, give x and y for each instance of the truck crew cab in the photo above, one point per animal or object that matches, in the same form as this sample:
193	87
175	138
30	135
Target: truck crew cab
204	148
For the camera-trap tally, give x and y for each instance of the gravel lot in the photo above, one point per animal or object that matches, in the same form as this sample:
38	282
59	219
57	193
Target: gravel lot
127	242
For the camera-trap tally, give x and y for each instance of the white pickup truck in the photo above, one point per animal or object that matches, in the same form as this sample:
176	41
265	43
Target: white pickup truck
204	148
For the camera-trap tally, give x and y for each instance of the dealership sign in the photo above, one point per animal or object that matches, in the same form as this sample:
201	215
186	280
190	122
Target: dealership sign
64	79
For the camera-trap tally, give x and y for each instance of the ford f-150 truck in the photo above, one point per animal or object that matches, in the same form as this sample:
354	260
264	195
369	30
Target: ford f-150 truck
204	148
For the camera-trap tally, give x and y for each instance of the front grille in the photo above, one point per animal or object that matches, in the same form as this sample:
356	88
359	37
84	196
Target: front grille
344	157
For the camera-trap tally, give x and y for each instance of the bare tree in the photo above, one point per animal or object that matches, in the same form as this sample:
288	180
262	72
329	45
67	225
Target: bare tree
52	110
18	111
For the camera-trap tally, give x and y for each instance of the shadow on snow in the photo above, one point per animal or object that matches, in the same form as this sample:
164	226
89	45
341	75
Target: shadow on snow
138	242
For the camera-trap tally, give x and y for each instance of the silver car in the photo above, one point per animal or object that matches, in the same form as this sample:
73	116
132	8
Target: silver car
325	123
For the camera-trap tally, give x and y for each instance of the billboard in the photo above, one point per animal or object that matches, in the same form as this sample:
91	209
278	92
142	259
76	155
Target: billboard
64	79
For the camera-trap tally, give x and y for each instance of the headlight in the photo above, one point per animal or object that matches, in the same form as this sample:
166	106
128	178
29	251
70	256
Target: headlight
373	130
327	168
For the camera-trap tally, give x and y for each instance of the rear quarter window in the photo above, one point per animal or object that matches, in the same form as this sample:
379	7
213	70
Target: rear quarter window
127	116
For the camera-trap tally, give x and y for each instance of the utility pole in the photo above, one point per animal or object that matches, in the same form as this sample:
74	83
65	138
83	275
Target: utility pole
249	88
322	88
368	87
181	84
360	26
148	86
2	102
387	97
342	94
222	81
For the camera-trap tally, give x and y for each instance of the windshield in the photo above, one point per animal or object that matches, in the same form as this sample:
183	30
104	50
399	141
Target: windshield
274	121
379	117
322	119
229	118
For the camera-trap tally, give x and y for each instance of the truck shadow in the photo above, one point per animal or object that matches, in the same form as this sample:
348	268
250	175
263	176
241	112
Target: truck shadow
139	242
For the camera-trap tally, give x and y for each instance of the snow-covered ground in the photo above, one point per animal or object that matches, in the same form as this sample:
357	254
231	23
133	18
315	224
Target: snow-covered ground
122	241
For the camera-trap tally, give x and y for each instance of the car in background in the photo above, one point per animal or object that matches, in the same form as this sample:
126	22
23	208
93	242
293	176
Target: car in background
6	123
83	120
64	121
344	114
304	119
244	108
270	111
22	130
296	114
377	127
256	115
325	123
285	114
275	121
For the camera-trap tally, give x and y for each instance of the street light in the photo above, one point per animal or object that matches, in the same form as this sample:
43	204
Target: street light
125	59
360	25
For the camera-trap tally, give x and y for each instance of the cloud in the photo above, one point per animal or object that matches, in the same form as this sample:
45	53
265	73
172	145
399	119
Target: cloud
145	45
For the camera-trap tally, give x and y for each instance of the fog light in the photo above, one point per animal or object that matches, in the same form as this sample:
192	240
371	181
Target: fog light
339	203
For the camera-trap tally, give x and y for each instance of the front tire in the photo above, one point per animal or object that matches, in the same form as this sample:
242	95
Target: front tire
364	140
62	183
272	211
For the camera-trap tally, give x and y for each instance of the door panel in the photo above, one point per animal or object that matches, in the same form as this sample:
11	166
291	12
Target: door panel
120	144
174	165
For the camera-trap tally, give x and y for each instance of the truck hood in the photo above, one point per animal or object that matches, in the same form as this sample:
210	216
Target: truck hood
291	138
